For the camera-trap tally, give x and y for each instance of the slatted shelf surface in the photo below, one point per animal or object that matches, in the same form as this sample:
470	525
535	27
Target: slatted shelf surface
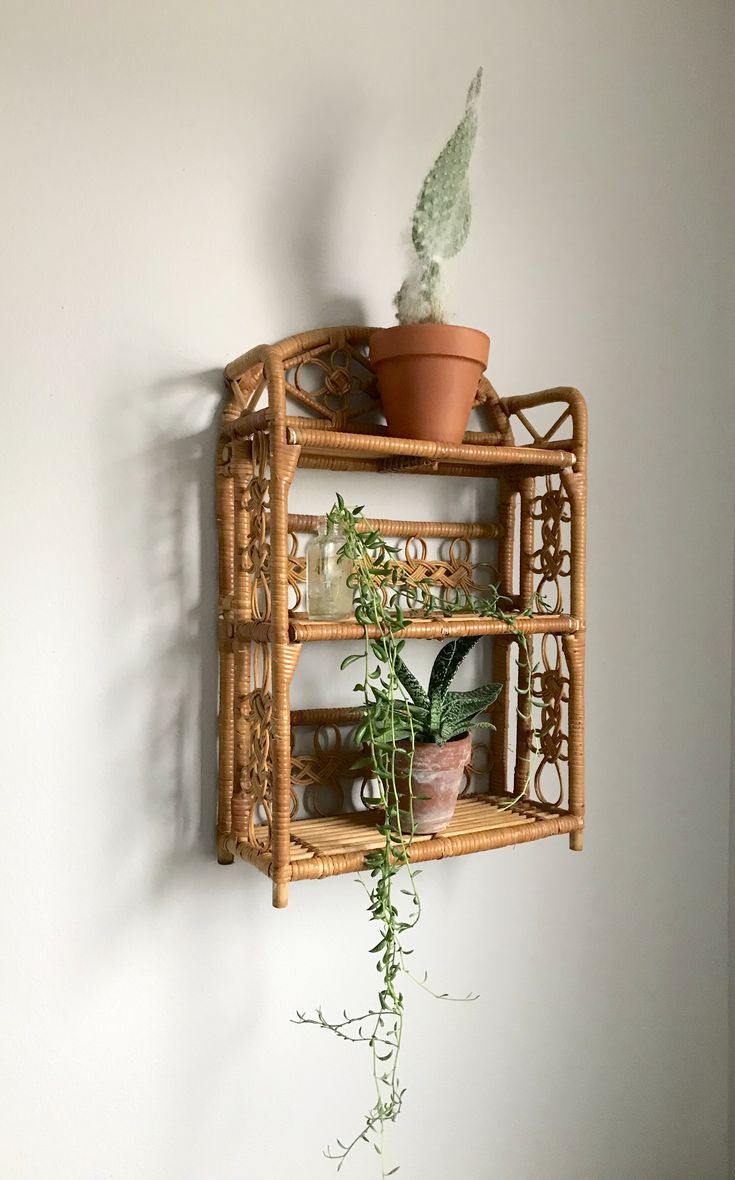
339	844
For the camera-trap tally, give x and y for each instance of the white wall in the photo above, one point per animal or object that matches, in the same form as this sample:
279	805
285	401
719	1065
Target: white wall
184	181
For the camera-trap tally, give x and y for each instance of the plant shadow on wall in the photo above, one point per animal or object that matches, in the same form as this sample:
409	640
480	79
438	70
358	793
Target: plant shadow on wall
302	241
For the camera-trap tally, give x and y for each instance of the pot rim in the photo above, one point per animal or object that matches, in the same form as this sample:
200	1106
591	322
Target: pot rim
455	752
461	737
450	340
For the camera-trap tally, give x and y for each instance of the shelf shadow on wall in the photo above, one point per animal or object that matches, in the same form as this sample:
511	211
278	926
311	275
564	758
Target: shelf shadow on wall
183	550
160	553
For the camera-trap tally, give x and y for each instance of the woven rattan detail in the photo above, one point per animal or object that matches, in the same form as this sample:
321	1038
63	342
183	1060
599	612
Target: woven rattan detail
256	556
253	797
333	383
551	687
456	572
551	562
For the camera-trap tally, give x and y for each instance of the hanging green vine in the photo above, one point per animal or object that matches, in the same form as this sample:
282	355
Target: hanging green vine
382	591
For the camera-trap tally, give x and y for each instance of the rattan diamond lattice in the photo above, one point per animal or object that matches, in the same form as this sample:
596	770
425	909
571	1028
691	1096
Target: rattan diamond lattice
289	790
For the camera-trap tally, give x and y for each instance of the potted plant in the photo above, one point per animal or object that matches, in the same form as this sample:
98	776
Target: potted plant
439	745
427	369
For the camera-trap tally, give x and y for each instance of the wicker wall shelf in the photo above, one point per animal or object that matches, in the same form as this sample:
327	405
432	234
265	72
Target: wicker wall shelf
289	793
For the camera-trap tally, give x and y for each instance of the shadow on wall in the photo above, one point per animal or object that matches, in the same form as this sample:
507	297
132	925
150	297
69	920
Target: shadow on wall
160	553
182	547
299	248
160	544
158	524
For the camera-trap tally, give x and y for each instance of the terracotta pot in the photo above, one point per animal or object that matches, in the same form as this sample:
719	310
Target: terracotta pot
428	376
437	777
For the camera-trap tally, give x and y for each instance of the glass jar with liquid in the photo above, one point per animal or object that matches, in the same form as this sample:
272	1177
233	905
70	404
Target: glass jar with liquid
328	596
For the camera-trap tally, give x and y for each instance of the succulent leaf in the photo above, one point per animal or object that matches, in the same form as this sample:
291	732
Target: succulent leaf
440	715
447	663
410	683
475	700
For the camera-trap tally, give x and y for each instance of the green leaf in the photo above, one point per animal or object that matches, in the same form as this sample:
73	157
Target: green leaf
351	659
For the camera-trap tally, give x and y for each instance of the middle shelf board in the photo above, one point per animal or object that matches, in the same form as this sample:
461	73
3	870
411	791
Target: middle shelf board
302	629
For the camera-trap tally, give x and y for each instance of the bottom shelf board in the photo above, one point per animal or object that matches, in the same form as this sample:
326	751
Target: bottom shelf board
338	844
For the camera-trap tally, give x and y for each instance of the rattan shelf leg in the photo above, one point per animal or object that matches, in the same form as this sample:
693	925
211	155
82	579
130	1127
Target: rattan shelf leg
574	646
524	720
242	595
225	720
574	652
283	462
502	647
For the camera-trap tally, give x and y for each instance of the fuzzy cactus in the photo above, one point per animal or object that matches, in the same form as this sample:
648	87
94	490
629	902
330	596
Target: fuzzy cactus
441	220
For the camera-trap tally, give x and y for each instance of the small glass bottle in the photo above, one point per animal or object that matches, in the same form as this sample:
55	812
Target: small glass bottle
328	595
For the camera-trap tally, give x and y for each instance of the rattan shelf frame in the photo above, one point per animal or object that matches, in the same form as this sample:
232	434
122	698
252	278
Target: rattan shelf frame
539	538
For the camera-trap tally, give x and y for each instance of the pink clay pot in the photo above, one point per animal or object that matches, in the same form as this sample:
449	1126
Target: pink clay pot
437	777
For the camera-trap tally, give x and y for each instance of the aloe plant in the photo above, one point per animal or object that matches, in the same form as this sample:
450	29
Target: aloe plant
439	715
441	219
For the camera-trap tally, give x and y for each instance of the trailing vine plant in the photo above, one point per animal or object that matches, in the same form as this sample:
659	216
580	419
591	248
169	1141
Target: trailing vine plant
383	592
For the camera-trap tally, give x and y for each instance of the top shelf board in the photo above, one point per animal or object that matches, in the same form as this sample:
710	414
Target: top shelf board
335	447
373	450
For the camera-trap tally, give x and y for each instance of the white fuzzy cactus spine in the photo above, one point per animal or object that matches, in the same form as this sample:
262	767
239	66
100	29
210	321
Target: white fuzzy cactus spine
441	220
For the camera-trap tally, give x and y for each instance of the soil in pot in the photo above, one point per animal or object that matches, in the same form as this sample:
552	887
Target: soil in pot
437	777
428	376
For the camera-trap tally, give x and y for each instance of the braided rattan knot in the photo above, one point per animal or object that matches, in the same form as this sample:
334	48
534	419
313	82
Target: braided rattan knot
338	382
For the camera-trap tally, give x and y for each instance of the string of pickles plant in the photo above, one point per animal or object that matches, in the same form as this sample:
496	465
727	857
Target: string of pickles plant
383	591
